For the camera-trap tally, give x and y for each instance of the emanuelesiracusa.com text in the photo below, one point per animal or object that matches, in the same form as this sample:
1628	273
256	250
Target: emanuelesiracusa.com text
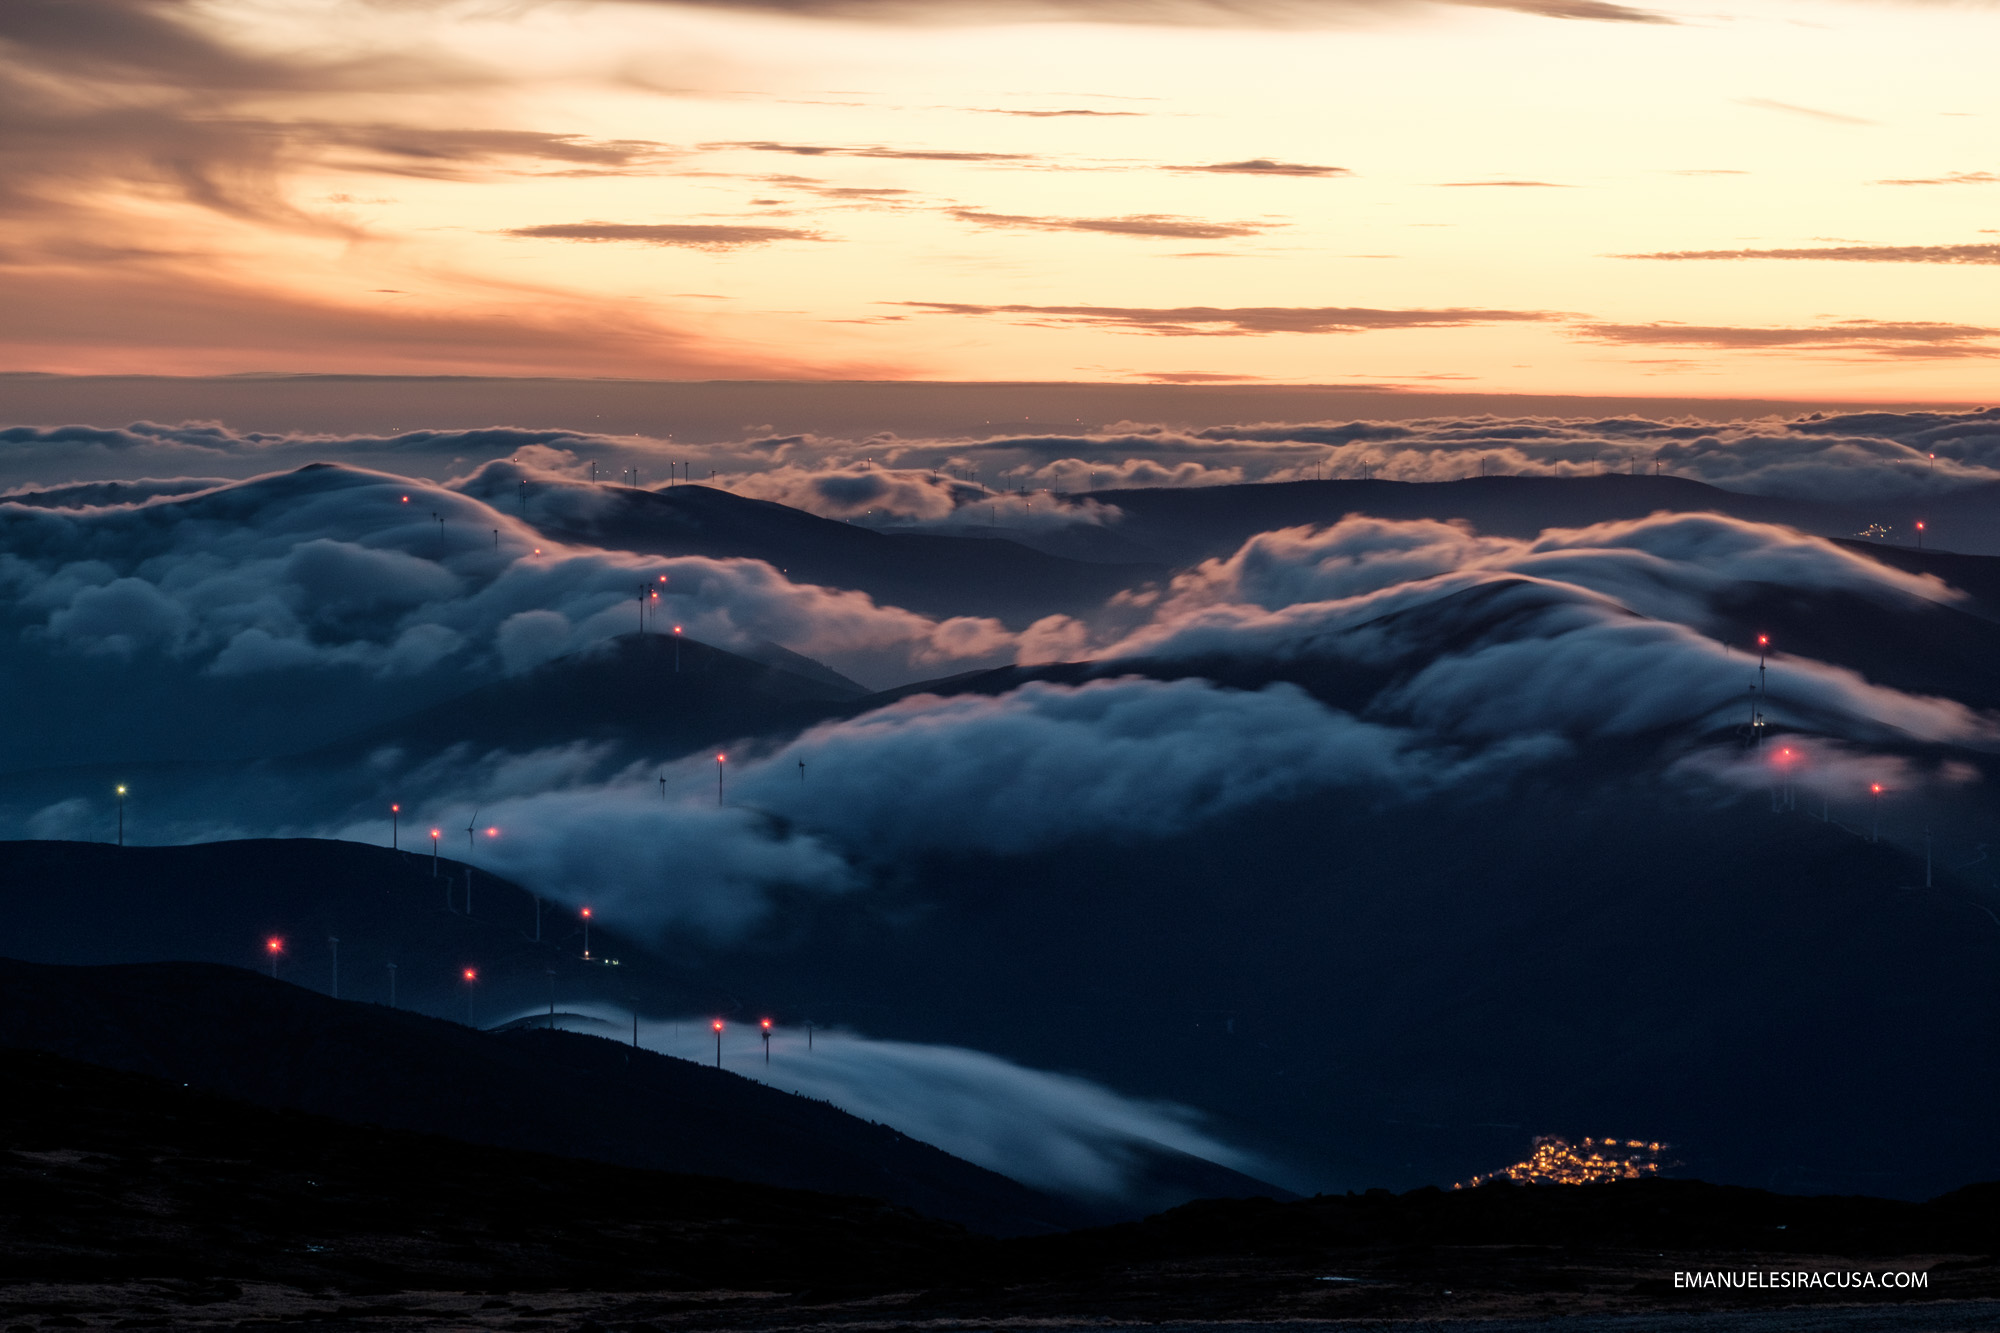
1804	1279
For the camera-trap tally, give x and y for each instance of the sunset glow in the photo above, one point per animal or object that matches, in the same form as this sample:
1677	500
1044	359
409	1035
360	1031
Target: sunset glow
1783	198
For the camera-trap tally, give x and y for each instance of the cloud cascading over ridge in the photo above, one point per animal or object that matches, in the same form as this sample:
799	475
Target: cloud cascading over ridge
1597	630
1052	1131
1023	771
1492	658
337	567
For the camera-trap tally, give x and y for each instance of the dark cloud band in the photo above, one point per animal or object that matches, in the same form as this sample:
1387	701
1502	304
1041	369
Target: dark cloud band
1213	321
1851	254
1140	224
701	236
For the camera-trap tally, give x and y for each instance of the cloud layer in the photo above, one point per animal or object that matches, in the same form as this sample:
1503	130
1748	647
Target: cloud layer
1864	455
1053	1131
1599	631
1443	661
335	567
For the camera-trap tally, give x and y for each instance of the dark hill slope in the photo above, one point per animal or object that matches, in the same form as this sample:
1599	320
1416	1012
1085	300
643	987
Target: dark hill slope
90	903
660	695
1392	993
232	1032
113	1176
87	902
1978	576
937	575
623	696
127	1201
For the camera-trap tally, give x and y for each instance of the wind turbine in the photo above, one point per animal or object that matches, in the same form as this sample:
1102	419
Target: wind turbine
470	826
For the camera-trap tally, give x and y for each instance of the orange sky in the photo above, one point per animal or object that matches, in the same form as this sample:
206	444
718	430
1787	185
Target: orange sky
1366	191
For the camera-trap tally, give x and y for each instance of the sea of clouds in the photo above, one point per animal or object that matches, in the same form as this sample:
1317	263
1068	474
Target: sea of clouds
1849	456
1485	658
1489	656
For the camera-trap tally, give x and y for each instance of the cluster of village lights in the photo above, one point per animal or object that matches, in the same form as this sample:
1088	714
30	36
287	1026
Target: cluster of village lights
1557	1161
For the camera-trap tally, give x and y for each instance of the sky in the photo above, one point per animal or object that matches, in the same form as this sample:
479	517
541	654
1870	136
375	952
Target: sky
1779	198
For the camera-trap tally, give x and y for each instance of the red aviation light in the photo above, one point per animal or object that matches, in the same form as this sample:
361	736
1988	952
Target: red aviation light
435	835
471	975
1876	788
717	1025
586	911
275	945
493	833
767	1025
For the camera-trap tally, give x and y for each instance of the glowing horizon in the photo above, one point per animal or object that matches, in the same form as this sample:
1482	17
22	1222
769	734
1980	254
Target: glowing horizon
1565	198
